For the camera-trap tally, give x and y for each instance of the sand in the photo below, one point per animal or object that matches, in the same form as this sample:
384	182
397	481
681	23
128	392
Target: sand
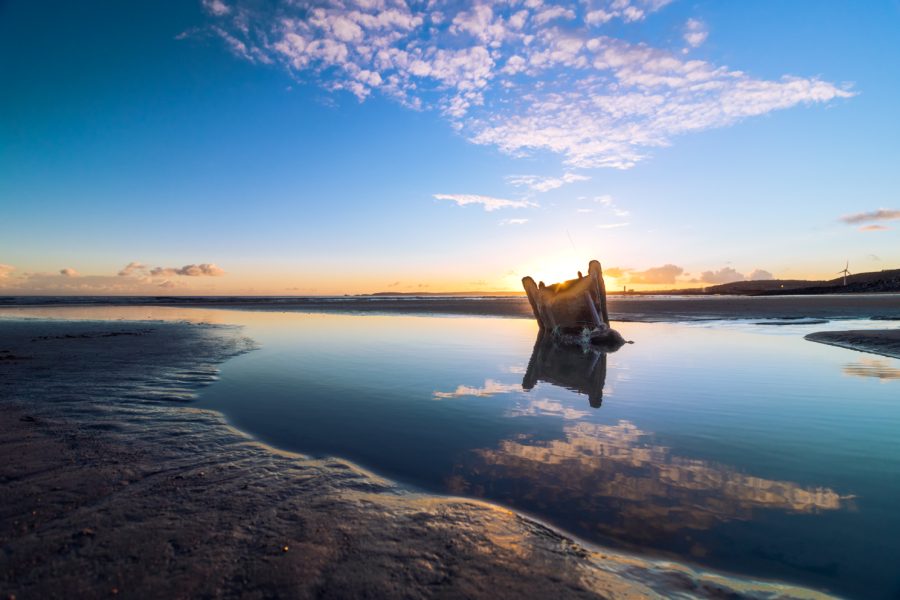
885	342
631	308
114	486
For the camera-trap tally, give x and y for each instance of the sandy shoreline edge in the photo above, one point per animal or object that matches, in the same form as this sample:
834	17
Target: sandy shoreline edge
885	342
115	485
640	309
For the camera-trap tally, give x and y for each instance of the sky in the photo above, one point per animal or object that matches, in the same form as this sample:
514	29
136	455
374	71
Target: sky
353	146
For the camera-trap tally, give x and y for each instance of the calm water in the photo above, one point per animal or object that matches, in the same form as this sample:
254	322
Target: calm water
731	445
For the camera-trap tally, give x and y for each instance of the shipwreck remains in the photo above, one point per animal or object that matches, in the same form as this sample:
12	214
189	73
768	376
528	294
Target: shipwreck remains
582	370
574	311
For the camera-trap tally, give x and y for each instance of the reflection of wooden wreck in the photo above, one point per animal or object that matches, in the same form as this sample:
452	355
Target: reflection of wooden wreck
580	369
574	311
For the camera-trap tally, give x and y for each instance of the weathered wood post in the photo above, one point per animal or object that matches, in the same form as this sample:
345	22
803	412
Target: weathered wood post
531	290
595	271
574	311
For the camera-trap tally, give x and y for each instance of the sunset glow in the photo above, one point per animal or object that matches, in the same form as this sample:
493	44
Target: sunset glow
460	147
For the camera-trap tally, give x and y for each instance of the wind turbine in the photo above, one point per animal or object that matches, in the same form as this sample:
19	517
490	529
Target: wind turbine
845	271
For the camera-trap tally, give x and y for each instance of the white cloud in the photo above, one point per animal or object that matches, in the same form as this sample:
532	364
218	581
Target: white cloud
204	269
882	214
665	274
216	7
131	268
486	69
539	183
552	13
695	33
607	201
760	275
513	221
489	203
627	10
723	275
134	278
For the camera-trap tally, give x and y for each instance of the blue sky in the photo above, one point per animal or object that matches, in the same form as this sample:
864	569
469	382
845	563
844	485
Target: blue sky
340	147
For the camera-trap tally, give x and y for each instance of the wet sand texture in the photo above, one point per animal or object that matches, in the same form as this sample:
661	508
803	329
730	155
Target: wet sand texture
885	342
632	308
113	485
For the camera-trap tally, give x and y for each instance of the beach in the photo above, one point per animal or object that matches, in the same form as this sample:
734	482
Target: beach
621	308
885	342
115	485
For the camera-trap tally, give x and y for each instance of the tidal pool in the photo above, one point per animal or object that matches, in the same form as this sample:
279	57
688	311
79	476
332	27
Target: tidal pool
729	445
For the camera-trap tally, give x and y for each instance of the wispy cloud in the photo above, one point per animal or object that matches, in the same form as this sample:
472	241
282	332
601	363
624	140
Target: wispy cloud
695	32
607	201
488	202
540	183
874	228
201	270
760	275
723	275
134	278
139	269
485	68
671	274
132	268
665	274
882	214
513	221
216	7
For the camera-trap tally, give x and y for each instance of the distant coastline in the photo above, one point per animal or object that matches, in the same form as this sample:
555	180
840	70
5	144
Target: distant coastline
874	282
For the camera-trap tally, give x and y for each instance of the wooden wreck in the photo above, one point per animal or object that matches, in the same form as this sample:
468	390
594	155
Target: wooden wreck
574	311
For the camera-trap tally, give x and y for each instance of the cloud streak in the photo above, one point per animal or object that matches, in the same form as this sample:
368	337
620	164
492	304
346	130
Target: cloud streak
539	183
485	68
489	203
882	214
723	275
665	274
201	270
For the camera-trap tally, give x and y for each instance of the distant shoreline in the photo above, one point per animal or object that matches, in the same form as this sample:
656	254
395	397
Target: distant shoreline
627	308
885	342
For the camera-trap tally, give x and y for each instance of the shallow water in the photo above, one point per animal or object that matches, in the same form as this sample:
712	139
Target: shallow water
730	445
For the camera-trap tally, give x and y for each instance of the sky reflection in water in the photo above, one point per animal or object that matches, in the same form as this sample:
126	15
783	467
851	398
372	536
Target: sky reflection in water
736	446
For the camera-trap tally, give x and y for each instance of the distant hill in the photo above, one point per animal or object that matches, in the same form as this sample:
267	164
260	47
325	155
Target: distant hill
873	282
861	283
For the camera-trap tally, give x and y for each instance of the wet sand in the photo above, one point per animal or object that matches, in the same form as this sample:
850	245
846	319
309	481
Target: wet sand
631	308
885	342
114	485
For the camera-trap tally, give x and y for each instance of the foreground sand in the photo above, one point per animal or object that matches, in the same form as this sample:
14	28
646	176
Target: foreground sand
113	485
885	342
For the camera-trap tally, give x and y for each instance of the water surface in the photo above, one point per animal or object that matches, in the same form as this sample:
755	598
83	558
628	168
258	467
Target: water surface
736	446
